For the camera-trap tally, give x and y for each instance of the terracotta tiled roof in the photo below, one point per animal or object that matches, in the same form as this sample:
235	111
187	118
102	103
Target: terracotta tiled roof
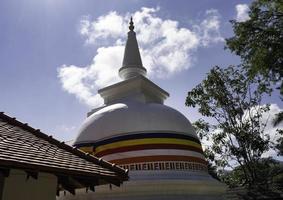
23	147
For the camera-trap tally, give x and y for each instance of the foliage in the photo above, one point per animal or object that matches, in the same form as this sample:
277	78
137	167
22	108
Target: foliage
270	174
212	171
232	98
259	41
278	119
238	138
279	145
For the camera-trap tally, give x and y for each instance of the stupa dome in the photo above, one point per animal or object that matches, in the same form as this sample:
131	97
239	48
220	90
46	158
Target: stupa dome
132	117
135	130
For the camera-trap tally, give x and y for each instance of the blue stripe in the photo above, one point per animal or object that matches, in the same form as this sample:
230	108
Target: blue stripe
138	136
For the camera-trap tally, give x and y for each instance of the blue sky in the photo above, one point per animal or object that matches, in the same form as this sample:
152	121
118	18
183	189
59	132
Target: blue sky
40	38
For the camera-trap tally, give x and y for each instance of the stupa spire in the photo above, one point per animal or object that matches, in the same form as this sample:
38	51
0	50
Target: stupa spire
131	27
132	63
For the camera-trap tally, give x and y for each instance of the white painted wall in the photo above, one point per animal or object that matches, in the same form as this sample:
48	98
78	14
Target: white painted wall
18	187
153	190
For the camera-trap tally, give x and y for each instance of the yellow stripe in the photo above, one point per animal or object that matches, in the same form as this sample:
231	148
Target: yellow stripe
87	149
147	141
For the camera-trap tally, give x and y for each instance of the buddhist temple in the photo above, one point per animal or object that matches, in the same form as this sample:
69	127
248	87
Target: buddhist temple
156	143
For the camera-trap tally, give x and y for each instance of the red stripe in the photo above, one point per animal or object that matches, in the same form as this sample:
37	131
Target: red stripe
143	159
147	146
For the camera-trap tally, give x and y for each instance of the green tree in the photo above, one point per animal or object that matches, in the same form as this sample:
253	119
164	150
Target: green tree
238	135
270	172
259	41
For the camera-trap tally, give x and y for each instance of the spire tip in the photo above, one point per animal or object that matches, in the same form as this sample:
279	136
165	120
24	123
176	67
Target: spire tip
131	27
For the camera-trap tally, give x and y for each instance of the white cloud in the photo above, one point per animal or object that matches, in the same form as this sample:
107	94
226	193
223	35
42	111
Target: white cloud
110	25
242	12
83	82
209	28
270	129
72	79
166	48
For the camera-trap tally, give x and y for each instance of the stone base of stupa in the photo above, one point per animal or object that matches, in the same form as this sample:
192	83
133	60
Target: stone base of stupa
199	187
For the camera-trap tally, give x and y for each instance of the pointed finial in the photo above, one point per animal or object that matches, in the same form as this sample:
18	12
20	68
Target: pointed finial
131	27
132	63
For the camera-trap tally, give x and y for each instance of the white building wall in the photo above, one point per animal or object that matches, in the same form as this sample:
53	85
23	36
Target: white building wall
18	187
153	190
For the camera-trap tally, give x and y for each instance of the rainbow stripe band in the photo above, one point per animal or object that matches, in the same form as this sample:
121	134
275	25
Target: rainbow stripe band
138	136
147	147
157	158
147	141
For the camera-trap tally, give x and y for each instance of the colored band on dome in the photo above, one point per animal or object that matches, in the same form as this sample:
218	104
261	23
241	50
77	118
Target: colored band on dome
120	147
144	159
139	136
153	152
141	144
147	146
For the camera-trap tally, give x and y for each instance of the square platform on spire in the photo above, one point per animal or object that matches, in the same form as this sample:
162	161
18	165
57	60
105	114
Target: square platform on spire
138	88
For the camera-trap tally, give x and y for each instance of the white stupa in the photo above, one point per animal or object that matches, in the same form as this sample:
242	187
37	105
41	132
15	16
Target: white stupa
135	130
